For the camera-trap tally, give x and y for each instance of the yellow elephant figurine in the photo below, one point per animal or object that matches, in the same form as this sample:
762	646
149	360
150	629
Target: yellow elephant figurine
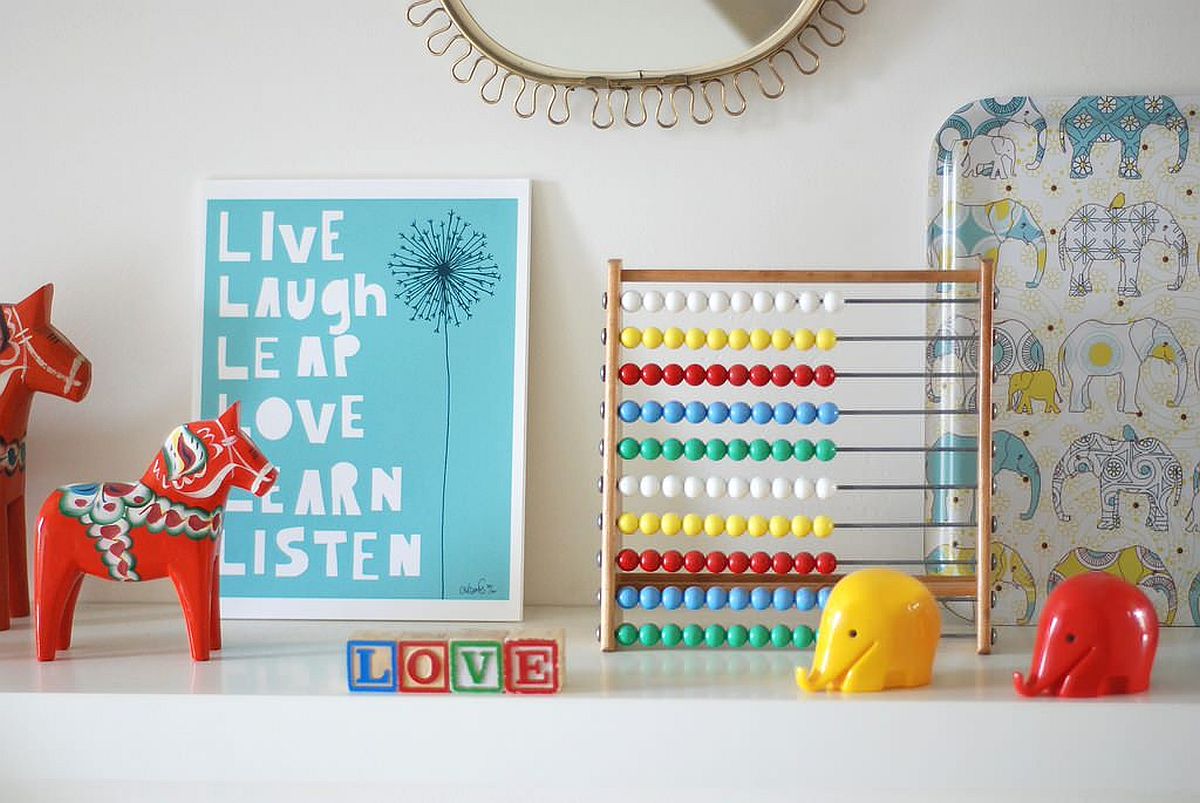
1030	385
879	630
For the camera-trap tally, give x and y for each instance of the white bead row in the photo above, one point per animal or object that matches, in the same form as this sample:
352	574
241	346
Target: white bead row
672	486
738	301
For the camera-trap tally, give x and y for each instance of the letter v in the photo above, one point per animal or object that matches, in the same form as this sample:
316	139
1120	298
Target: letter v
297	251
477	667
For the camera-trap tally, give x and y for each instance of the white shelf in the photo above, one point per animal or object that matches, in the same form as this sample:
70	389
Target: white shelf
272	710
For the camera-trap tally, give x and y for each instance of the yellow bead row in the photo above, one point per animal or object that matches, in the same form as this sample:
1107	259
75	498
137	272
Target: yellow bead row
738	339
714	525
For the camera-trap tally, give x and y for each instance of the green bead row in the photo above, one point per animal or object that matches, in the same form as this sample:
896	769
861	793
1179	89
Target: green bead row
757	450
714	636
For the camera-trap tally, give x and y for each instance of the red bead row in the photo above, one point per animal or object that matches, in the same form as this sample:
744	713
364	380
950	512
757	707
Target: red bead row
651	560
737	374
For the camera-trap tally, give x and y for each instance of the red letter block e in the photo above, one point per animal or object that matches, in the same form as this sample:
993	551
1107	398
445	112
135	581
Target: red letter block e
532	666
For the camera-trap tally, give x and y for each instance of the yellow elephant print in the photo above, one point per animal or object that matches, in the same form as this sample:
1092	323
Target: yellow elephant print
1024	387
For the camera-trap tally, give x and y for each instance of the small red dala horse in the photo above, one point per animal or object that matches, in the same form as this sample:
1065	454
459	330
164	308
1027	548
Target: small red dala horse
34	358
166	525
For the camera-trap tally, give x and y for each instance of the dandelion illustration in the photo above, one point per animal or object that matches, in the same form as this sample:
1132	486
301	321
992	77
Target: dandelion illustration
442	269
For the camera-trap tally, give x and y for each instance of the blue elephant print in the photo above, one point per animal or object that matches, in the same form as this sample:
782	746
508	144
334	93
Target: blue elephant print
1194	599
1118	233
979	230
987	117
1118	118
1098	349
1129	464
951	466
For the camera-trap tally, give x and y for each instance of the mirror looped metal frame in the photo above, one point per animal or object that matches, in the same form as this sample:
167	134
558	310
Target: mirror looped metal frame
707	90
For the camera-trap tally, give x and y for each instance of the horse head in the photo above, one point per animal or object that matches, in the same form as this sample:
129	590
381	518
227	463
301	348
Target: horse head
38	356
204	459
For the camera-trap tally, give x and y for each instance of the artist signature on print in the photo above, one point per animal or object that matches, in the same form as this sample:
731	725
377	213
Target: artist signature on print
479	588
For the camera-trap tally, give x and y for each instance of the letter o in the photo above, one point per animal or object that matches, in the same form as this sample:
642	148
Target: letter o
273	419
431	664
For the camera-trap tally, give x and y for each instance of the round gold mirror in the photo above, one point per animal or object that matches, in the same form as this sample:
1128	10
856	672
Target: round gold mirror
627	56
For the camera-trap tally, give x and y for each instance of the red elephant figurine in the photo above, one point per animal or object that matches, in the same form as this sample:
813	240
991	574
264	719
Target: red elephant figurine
34	358
1097	635
166	525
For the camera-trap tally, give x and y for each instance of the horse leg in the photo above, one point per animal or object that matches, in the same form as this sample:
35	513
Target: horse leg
18	571
68	615
214	608
193	583
55	576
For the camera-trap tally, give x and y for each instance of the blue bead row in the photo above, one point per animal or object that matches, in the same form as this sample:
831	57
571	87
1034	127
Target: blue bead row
695	412
738	598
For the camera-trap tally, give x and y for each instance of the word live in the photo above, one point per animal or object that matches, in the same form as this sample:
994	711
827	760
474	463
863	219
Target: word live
516	662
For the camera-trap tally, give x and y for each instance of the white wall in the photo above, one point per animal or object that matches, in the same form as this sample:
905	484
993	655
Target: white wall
110	112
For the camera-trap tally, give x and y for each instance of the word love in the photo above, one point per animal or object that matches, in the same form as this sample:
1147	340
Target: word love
517	662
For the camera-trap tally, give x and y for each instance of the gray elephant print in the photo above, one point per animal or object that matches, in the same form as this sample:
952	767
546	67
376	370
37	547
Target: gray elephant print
1193	514
951	466
1016	348
989	116
1137	565
1097	349
1118	233
1139	466
990	156
979	230
958	338
1118	118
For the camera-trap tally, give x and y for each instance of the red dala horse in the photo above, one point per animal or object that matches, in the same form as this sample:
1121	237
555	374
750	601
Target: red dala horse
34	358
166	525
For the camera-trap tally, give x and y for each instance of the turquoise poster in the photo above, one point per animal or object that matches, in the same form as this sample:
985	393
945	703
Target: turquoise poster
374	334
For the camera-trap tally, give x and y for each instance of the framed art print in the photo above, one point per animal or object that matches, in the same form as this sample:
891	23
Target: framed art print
375	335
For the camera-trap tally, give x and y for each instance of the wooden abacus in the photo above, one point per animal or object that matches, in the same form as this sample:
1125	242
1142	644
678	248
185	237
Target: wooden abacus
718	580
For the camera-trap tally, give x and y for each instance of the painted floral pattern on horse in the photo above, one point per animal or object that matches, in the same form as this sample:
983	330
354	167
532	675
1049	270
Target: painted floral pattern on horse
111	510
12	457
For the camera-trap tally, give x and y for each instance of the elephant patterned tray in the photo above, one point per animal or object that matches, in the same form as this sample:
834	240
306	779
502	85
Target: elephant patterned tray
1090	207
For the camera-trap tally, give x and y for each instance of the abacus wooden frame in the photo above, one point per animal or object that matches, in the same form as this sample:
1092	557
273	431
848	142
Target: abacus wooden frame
942	586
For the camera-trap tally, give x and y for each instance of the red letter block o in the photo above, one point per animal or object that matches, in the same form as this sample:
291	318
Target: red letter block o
424	667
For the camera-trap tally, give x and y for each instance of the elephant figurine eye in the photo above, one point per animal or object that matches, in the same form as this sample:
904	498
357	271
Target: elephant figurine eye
853	634
1070	638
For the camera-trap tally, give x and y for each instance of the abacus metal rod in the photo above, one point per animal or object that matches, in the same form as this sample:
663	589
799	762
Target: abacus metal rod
906	375
770	276
922	486
903	562
920	411
900	525
902	338
898	449
912	301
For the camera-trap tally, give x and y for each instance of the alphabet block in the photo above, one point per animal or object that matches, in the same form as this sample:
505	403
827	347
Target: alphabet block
424	666
533	665
371	665
477	667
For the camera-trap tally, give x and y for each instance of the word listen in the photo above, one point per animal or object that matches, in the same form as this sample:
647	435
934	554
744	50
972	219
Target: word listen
517	662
